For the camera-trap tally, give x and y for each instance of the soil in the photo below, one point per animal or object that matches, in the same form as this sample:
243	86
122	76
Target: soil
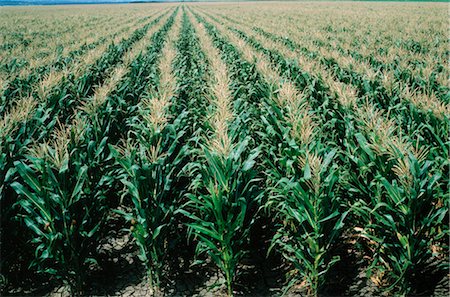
120	273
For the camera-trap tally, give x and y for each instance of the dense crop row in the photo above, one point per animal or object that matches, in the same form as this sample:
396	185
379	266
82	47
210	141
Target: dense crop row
402	196
210	139
23	85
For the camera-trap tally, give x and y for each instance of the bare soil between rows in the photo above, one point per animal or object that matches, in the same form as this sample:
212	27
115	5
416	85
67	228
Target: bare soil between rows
121	273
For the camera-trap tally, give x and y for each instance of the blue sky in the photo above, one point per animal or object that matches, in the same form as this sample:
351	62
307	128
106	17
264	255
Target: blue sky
6	2
62	0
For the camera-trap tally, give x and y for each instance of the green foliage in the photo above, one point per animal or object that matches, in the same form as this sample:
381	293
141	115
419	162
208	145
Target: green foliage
62	197
402	216
149	164
219	212
392	194
149	169
308	210
76	87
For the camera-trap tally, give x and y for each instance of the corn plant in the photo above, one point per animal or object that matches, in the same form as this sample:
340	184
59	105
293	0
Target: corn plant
281	126
55	104
151	160
304	194
411	116
143	74
228	171
307	207
74	86
63	197
219	213
149	169
13	141
403	219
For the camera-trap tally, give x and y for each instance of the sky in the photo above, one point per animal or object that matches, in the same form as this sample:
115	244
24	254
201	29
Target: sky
47	2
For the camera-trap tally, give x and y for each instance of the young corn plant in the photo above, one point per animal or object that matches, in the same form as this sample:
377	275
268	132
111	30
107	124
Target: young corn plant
304	195
14	235
404	219
74	86
63	201
141	73
149	165
305	201
223	204
42	113
219	212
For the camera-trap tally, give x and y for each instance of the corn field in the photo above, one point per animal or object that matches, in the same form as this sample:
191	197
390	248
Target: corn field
238	149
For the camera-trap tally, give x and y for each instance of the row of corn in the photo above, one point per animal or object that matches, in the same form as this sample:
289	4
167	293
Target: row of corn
196	131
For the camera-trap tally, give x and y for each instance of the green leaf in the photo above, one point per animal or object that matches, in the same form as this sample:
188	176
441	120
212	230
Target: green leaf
364	145
21	190
250	162
28	175
199	229
157	232
76	193
32	225
333	215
